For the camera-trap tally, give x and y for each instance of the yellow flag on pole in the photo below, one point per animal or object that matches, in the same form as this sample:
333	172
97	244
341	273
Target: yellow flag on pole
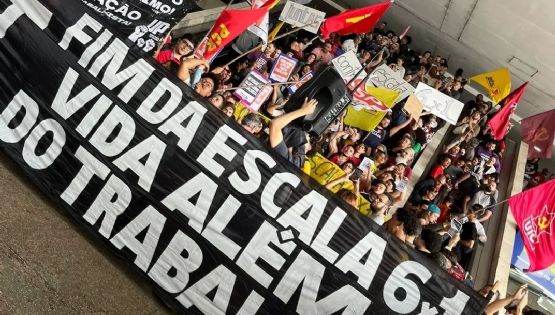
275	31
369	108
497	83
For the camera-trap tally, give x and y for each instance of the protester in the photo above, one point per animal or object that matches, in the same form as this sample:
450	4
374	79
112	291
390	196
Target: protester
446	207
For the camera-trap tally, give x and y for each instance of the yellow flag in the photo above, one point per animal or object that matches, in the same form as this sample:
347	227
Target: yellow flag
275	31
368	110
241	111
324	171
497	83
387	96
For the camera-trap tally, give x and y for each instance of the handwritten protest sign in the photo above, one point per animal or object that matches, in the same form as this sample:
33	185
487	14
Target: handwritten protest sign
348	65
253	94
383	76
283	68
299	15
439	104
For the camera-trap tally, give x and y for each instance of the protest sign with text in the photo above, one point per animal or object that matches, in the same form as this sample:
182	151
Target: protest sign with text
348	66
439	104
299	15
283	68
253	92
384	76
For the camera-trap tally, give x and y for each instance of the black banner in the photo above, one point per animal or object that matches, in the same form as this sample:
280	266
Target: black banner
143	22
214	219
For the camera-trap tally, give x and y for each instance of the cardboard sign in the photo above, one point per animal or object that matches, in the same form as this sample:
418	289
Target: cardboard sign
299	15
283	68
253	94
294	87
414	107
348	65
383	76
439	104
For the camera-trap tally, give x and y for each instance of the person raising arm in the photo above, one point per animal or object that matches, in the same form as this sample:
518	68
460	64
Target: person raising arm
187	66
277	125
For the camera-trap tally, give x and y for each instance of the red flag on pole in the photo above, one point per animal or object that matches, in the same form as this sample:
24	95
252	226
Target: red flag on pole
534	211
354	21
500	122
229	25
539	131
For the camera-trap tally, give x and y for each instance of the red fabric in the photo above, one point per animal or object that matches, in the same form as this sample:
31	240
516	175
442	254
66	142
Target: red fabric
165	56
534	212
436	171
500	122
229	25
356	161
444	213
457	272
358	21
538	131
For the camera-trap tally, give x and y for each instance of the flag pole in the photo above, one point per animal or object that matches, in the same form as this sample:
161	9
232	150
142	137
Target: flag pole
270	41
482	210
362	69
257	85
212	27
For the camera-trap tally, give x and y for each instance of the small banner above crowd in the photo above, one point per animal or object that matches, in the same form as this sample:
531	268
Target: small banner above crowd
211	217
144	23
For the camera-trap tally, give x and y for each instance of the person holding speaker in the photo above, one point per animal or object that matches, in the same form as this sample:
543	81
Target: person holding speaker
296	152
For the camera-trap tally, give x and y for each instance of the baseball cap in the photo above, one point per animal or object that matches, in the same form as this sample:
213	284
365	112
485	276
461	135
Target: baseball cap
434	209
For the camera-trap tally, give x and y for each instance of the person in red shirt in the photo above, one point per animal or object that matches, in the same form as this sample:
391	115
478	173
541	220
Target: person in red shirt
345	155
172	57
357	157
440	168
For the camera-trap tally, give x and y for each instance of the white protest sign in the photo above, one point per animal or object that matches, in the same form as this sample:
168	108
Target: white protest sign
439	104
348	65
299	15
283	68
253	93
384	76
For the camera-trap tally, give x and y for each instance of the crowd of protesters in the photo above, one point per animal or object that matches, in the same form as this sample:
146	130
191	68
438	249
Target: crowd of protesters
444	215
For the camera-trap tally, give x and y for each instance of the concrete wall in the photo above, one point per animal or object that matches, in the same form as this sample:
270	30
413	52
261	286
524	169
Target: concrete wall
481	35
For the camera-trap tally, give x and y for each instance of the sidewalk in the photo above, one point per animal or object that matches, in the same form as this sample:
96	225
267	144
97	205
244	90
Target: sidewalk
49	266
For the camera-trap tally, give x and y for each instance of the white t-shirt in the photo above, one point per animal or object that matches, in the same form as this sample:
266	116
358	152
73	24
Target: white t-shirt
378	218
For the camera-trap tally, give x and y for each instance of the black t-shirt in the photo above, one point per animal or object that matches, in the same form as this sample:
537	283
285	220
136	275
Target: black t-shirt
282	150
376	137
469	232
296	159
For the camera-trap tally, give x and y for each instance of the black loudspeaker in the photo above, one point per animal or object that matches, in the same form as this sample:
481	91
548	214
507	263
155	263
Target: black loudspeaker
329	89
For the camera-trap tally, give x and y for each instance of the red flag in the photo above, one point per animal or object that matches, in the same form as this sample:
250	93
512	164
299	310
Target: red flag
534	211
539	131
354	21
229	25
500	122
